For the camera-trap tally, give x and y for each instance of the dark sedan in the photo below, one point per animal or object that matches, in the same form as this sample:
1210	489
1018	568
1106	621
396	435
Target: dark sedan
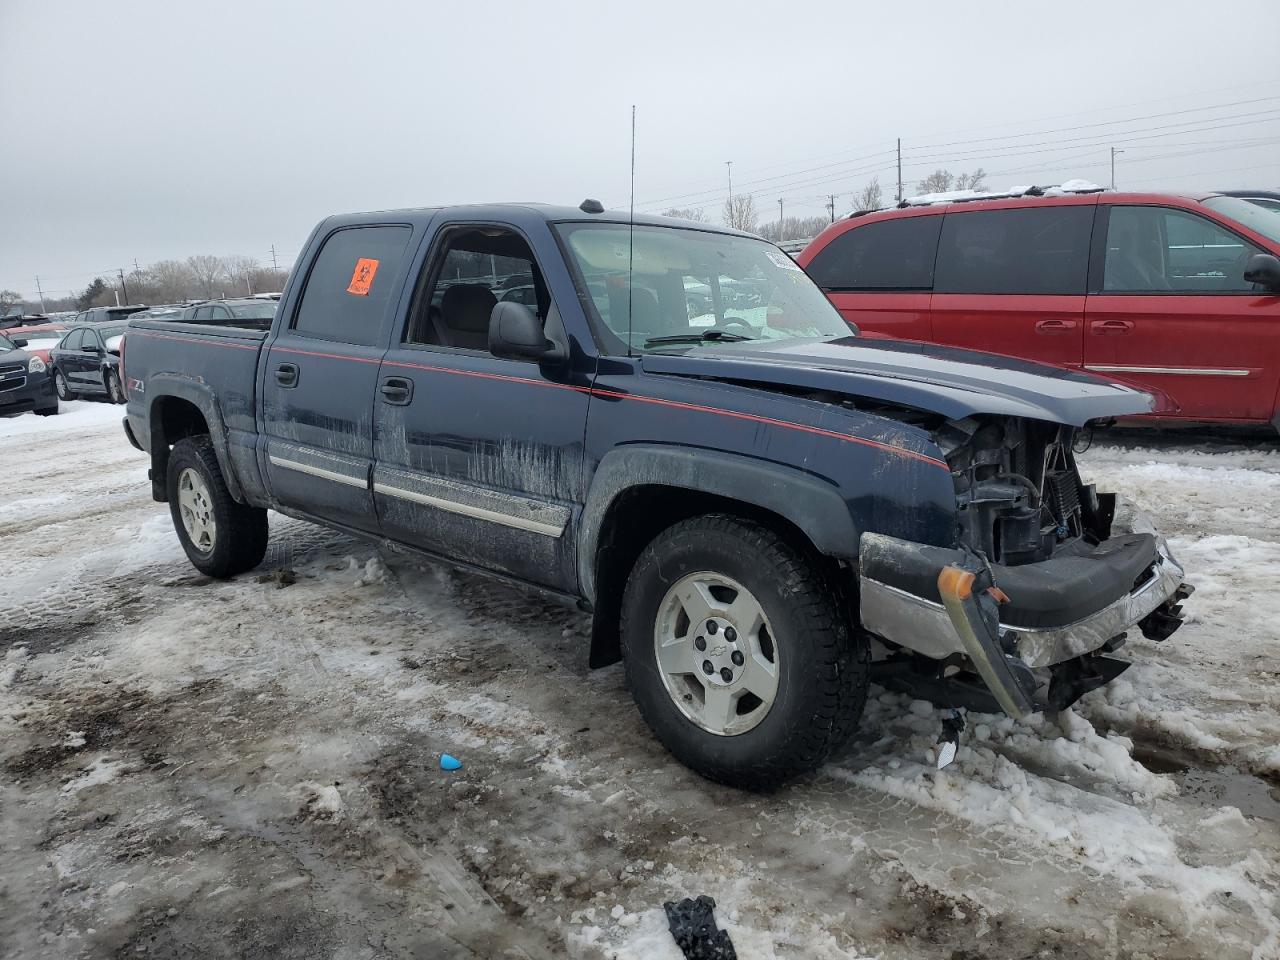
24	380
87	362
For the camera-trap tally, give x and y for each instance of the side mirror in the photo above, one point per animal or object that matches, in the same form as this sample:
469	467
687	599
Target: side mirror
18	342
515	333
91	348
1263	268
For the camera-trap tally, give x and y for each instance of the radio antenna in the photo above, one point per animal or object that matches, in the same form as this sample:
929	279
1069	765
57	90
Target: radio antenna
631	229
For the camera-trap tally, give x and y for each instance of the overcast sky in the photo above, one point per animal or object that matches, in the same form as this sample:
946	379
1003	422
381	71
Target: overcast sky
151	129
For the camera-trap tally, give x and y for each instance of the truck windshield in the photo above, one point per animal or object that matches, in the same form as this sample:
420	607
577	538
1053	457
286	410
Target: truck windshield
686	287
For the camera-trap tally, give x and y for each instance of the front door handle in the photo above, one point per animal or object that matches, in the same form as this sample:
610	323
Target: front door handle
1110	327
287	374
1055	326
396	390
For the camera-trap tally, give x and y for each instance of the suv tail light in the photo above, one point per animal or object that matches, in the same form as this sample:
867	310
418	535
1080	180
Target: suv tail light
124	381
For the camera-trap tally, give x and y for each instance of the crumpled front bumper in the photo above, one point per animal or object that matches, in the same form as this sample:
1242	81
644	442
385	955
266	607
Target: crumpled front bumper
923	625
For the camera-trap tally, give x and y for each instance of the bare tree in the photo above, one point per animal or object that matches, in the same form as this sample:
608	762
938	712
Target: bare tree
239	270
8	300
686	213
740	212
939	181
793	228
208	271
972	181
869	197
942	181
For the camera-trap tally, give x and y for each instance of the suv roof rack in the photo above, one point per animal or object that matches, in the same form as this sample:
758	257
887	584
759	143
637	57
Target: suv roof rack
1067	187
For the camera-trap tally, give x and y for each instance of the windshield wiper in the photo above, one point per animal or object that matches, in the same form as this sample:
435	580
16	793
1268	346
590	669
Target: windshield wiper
703	337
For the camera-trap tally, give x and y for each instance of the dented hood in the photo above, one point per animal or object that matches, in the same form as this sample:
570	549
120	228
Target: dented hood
946	380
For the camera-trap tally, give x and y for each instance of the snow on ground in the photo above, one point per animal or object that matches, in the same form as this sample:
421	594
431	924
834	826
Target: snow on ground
190	767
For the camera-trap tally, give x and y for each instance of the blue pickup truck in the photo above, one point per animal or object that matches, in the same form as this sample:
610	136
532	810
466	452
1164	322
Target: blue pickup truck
669	425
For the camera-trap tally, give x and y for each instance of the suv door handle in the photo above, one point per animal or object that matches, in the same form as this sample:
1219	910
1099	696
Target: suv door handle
1105	327
396	390
287	374
1054	326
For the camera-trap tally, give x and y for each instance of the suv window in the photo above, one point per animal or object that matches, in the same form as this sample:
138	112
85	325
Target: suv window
476	267
886	255
73	340
351	283
1162	250
1041	250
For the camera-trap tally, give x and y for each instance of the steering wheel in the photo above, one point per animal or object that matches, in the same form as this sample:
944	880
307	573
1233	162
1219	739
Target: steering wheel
733	322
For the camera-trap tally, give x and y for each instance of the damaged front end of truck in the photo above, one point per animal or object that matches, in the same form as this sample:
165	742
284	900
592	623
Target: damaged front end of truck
1046	578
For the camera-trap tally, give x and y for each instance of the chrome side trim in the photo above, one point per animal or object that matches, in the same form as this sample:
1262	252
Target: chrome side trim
468	510
1176	371
923	625
479	502
317	472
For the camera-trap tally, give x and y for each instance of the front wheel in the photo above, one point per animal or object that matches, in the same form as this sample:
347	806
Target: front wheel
220	536
739	654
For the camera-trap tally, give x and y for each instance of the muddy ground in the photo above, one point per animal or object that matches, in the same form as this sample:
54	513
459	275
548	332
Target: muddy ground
191	768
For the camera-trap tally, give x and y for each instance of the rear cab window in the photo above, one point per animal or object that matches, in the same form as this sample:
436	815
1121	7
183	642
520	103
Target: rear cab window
351	283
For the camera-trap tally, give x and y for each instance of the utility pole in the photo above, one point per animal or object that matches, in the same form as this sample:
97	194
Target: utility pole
899	169
780	236
123	289
41	293
729	164
136	268
831	206
1114	151
274	266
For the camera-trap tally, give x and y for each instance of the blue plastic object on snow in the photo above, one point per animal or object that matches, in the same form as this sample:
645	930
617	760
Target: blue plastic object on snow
448	762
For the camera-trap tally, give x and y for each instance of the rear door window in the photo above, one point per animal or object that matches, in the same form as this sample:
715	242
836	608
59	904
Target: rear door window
1162	250
1041	250
886	255
351	284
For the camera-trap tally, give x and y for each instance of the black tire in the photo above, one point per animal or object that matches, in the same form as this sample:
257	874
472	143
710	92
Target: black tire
824	663
61	387
111	380
240	541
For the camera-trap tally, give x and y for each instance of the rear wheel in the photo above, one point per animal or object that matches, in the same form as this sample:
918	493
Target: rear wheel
60	386
220	536
739	654
114	393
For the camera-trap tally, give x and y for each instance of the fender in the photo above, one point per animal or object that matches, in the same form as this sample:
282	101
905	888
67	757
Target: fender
202	397
811	502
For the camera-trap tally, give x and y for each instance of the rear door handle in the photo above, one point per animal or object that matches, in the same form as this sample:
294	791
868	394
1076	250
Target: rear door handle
1106	327
1055	326
396	390
287	374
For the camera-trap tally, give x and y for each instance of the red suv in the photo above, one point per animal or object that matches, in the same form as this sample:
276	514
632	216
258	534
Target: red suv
1177	293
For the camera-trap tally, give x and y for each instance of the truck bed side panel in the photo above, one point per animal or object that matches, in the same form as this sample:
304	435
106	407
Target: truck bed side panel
211	368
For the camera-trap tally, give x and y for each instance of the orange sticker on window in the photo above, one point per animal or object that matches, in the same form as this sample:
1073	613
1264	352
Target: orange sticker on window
362	277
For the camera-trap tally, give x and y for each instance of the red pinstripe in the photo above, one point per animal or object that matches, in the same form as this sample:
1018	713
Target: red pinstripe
593	391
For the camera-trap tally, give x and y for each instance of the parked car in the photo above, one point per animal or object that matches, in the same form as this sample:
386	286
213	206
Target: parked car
86	362
1180	294
259	311
24	380
40	338
1267	199
747	506
107	314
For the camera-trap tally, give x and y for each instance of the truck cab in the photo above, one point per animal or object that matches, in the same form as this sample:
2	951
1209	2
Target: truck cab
750	499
